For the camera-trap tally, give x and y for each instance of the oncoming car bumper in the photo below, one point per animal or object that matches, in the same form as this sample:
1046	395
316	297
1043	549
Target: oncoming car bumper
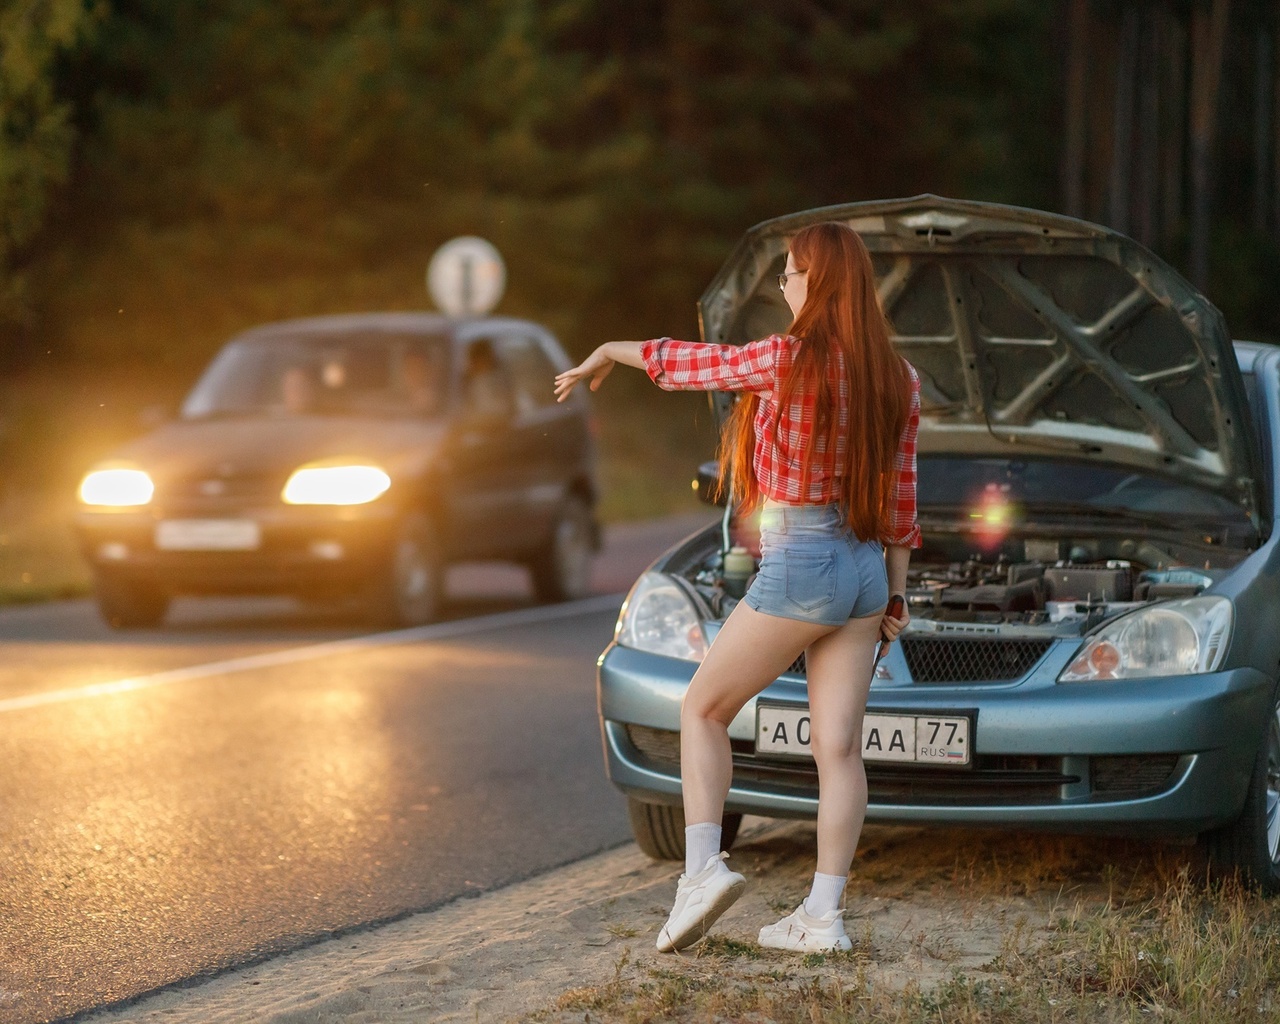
1169	756
296	549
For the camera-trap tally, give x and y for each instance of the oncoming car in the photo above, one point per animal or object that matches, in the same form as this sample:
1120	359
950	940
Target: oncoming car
351	457
1093	642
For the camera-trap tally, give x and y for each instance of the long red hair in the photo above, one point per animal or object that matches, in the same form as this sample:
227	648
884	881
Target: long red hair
841	314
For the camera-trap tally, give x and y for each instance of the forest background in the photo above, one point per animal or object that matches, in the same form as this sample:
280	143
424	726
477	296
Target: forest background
172	172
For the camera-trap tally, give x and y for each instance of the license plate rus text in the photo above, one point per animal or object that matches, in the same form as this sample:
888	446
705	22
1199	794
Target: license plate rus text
918	739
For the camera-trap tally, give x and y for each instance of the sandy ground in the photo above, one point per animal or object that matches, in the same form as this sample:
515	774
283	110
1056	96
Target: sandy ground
922	904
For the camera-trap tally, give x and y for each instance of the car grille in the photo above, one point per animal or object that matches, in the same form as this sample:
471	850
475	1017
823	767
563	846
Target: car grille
963	659
214	489
971	659
1132	775
993	779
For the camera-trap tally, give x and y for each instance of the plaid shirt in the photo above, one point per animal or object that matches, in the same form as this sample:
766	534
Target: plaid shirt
757	366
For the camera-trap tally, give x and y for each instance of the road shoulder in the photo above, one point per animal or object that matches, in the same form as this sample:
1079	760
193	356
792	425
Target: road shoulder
522	948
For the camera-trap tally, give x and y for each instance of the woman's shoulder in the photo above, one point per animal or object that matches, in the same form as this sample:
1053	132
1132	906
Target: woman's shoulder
780	348
911	372
778	340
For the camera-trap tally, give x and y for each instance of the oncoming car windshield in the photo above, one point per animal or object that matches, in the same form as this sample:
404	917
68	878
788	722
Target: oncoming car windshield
373	374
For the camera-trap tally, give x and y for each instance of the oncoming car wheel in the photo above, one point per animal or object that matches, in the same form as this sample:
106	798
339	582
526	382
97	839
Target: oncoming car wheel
127	604
562	571
1250	845
407	590
659	829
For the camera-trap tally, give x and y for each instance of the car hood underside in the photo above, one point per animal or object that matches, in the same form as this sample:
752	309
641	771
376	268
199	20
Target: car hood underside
1030	331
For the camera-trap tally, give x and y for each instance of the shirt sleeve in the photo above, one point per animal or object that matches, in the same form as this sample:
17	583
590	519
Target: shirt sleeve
904	526
697	366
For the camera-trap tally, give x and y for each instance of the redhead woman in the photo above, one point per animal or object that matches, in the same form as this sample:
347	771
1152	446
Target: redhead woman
822	442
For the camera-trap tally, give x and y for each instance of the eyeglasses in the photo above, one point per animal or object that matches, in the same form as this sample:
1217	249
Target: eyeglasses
782	278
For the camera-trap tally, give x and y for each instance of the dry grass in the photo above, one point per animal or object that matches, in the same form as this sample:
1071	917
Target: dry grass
1097	931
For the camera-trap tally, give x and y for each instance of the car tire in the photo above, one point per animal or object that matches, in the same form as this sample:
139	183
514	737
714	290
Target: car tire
659	829
1250	845
562	569
409	588
128	604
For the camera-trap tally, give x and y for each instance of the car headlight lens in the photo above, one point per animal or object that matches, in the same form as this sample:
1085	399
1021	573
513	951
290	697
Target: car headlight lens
1174	638
335	485
117	488
659	616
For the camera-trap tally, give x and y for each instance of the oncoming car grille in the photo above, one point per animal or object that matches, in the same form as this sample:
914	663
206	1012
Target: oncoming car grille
212	488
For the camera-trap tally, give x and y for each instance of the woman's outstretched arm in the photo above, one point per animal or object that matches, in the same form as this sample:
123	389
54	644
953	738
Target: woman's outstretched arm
598	365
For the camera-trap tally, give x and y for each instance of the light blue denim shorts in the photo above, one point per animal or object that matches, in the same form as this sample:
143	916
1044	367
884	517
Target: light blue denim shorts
814	569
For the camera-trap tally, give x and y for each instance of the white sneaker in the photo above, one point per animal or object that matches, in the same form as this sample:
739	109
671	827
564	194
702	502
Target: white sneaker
803	932
700	900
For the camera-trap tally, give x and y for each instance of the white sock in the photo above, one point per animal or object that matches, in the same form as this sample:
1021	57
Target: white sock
701	843
824	897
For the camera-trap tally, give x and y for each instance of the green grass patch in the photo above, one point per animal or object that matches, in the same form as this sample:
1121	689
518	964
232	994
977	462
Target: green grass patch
39	560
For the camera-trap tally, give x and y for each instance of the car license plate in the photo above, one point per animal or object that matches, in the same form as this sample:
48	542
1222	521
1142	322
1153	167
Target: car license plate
208	535
913	738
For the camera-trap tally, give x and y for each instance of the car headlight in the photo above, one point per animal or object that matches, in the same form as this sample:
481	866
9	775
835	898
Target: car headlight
1173	638
660	616
117	487
335	485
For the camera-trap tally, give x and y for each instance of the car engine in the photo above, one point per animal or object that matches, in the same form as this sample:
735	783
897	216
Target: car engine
1060	587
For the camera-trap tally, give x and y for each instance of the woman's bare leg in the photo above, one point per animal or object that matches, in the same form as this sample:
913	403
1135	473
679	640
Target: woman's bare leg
839	670
748	654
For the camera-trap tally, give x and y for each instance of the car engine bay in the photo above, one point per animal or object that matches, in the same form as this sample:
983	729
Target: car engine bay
1062	587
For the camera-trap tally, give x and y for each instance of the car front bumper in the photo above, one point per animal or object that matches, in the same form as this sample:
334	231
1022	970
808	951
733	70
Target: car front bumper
299	549
1166	756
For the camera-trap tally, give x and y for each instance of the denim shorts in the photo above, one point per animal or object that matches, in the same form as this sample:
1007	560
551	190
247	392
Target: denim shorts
814	569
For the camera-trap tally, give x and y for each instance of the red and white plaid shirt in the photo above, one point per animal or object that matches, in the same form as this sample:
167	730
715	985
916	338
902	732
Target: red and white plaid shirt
758	366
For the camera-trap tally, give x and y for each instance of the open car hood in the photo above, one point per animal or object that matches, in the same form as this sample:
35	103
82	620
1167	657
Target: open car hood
1032	333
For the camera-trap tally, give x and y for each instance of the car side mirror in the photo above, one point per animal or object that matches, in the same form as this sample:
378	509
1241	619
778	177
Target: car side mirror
707	484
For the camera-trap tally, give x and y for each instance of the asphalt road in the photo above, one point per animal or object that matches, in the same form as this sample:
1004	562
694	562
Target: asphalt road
256	776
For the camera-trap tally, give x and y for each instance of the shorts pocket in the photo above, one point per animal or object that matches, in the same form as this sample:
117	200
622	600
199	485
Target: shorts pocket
810	577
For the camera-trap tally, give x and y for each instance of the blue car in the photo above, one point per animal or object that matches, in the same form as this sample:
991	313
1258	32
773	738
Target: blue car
1095	613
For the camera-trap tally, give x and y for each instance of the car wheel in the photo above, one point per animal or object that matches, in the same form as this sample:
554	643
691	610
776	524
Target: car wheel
562	570
659	829
1251	844
408	590
127	604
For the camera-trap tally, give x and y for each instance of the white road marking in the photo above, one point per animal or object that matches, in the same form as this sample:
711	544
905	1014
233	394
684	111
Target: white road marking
437	631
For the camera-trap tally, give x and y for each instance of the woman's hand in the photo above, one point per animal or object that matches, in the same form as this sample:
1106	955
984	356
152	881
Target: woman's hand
892	625
596	366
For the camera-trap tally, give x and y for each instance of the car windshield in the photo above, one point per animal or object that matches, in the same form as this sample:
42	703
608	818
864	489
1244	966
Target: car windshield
355	374
978	485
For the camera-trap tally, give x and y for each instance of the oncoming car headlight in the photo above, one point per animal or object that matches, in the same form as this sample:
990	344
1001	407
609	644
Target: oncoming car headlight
660	617
1174	638
335	485
117	487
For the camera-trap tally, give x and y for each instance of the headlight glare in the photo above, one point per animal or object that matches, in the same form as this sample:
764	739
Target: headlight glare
660	616
118	487
335	485
1183	637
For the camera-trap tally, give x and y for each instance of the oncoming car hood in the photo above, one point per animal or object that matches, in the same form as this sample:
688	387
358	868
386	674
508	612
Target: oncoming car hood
257	445
1032	333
